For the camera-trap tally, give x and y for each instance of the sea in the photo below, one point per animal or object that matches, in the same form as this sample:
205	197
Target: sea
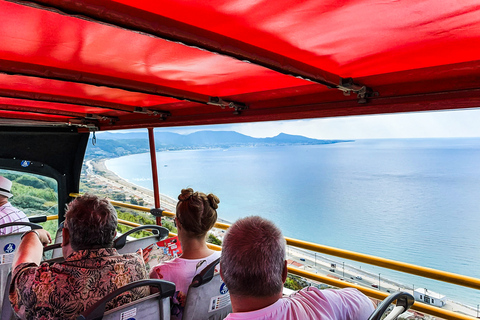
410	200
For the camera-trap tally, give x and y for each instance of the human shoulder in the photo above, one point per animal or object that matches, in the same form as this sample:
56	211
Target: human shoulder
199	264
347	302
29	271
215	255
7	208
277	310
23	267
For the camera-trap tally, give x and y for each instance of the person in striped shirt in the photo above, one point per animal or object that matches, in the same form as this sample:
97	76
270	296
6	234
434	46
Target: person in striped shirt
9	213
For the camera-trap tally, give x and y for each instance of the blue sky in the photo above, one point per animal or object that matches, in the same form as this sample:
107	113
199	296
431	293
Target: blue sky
458	123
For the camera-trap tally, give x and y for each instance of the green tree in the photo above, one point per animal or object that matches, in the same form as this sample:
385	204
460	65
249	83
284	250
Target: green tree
294	283
118	196
136	218
32	181
168	223
214	240
27	201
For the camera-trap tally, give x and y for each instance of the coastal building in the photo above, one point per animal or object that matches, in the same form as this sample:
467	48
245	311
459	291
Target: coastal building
430	297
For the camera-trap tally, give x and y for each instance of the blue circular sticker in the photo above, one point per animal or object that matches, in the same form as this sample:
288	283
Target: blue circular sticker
223	289
25	163
9	248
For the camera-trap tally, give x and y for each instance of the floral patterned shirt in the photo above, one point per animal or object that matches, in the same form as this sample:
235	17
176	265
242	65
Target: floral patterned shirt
64	290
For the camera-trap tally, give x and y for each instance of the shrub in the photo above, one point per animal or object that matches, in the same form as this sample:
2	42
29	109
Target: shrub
293	283
32	181
214	240
28	201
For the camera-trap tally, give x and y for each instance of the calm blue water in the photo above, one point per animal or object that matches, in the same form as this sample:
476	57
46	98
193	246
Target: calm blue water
414	200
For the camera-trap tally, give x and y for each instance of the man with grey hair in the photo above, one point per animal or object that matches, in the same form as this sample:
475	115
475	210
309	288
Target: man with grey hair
254	268
91	270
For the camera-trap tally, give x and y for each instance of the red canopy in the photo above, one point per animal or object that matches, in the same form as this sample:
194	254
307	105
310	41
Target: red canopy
104	65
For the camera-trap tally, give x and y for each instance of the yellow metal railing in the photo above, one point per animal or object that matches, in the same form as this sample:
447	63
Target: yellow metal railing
421	307
389	264
354	256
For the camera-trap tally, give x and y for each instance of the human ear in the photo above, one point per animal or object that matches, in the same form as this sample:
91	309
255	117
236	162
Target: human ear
65	236
284	272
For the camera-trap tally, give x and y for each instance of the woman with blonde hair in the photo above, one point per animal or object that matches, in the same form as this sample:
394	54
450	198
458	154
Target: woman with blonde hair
196	215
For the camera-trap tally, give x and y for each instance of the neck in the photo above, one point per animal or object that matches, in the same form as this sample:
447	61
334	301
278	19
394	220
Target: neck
194	248
247	303
3	201
67	250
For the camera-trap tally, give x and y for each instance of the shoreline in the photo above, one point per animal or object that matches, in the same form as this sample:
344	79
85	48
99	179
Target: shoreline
97	171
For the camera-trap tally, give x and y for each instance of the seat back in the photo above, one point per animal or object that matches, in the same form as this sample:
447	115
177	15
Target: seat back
153	307
124	246
404	301
6	311
8	246
57	251
207	296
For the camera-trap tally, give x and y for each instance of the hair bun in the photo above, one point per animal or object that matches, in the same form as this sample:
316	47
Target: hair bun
213	200
186	194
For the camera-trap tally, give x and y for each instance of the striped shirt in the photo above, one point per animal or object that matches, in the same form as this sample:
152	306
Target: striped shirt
8	213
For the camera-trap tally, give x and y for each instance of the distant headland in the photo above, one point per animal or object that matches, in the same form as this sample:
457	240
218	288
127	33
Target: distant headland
117	144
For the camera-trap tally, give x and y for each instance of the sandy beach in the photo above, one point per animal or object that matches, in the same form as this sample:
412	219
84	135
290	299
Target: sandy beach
97	172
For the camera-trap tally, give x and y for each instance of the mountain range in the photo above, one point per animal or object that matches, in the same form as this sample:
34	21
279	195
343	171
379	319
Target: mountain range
114	144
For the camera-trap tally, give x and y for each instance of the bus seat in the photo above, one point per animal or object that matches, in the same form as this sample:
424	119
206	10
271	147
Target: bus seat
124	246
57	250
8	245
6	312
154	307
404	302
207	296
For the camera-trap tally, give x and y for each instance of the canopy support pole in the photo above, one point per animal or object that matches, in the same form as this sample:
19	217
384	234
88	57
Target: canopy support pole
153	161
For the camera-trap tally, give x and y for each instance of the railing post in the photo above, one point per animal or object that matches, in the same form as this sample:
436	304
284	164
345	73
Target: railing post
153	161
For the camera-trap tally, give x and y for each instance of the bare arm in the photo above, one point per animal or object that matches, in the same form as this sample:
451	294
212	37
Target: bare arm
31	248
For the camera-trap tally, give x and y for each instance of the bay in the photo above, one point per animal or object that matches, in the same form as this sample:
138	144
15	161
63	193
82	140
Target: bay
411	200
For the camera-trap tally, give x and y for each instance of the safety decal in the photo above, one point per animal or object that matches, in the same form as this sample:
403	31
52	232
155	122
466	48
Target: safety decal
9	248
6	258
25	163
129	314
223	289
219	302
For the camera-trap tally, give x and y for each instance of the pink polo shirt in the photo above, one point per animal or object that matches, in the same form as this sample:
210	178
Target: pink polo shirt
312	303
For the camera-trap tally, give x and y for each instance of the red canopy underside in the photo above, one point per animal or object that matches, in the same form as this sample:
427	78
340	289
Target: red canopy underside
106	65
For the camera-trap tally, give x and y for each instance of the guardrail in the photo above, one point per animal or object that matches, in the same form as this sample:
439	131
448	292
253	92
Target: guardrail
354	256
